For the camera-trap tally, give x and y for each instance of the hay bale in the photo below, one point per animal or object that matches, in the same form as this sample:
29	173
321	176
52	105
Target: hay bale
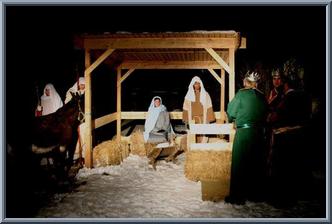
110	153
137	146
208	165
125	146
216	140
215	190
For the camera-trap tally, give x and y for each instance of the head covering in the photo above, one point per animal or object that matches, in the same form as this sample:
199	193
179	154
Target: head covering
190	96
52	102
74	88
204	99
252	76
276	73
81	80
152	117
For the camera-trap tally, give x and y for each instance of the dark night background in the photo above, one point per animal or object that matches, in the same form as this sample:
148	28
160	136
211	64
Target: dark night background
39	49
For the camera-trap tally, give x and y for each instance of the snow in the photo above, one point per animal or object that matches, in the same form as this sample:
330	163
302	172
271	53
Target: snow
134	190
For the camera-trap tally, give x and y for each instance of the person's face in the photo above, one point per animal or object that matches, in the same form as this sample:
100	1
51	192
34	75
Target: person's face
197	86
156	103
82	86
47	92
276	82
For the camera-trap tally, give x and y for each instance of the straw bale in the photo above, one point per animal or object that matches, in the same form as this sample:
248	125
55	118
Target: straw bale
208	165
137	146
110	153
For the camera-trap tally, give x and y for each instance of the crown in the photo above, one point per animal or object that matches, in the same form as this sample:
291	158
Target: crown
253	77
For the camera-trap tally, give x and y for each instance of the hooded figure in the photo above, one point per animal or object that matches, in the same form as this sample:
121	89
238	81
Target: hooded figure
79	87
197	105
50	100
157	127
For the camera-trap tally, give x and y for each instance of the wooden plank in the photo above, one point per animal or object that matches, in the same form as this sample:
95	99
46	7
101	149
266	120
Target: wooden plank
99	60
218	59
141	115
231	73
213	129
215	75
220	146
101	121
170	65
118	105
127	74
175	115
158	42
191	138
87	108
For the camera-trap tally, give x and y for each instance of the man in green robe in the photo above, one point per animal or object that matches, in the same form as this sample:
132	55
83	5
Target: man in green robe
249	111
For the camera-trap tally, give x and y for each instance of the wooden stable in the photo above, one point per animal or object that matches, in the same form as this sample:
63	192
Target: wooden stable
211	50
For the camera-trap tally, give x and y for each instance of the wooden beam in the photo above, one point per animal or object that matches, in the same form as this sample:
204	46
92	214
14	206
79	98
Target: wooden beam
118	105
218	59
222	96
101	121
127	74
141	115
160	42
99	60
170	65
218	146
215	75
87	107
134	115
211	129
243	43
231	73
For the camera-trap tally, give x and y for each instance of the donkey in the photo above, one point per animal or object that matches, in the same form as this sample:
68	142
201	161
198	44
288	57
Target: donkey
55	135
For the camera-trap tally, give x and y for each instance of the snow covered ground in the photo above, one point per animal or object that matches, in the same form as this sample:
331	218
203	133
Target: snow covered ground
134	190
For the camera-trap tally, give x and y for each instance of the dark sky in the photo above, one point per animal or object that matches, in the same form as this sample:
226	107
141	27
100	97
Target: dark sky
39	42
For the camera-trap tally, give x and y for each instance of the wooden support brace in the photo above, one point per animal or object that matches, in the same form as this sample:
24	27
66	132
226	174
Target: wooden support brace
99	60
215	75
127	74
218	59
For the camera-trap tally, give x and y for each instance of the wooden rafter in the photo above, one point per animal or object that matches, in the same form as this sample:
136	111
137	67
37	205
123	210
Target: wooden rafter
170	65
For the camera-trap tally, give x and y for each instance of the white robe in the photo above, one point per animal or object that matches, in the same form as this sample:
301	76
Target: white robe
152	116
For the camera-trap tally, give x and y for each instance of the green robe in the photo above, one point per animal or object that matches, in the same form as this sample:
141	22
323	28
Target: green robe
249	110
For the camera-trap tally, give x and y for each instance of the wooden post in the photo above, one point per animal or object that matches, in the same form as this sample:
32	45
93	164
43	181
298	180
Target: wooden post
118	105
232	73
88	122
222	96
191	138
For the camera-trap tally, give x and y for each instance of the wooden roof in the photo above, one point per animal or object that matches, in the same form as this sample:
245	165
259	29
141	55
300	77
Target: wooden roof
168	49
